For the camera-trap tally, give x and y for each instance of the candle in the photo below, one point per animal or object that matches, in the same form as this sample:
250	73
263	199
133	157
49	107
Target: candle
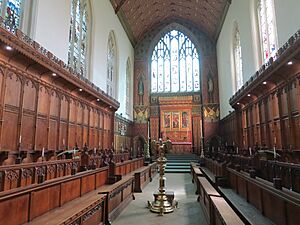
250	150
274	140
95	151
237	150
43	152
274	150
20	139
63	141
233	143
74	151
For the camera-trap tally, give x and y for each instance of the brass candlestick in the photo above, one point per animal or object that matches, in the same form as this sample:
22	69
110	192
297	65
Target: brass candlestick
163	203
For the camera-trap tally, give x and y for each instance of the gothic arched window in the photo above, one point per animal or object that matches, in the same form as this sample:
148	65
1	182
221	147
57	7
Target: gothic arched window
128	76
78	36
111	65
267	28
238	63
11	11
175	64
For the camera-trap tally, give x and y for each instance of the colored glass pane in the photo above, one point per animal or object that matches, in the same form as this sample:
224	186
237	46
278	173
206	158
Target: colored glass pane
78	36
266	17
175	64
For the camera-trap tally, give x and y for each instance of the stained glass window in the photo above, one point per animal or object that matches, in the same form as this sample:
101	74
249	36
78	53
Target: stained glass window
11	11
175	64
111	64
238	63
78	40
128	75
266	17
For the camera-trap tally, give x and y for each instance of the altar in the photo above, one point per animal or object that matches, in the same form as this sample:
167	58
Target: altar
182	148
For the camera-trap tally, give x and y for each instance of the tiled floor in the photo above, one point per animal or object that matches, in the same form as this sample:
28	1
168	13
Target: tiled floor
189	211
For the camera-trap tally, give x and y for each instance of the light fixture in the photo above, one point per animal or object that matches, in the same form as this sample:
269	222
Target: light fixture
80	89
7	47
290	63
54	74
248	95
238	103
110	106
265	82
98	99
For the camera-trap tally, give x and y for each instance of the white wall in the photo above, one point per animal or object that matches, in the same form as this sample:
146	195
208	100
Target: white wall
287	19
106	20
52	32
52	26
244	13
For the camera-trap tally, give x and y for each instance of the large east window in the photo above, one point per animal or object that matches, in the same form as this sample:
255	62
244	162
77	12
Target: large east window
238	63
175	64
11	11
78	36
267	28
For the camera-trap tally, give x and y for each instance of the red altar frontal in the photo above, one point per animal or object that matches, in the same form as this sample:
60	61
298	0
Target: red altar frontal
181	147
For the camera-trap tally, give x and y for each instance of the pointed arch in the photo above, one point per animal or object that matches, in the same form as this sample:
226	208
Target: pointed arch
112	65
267	28
237	58
79	35
175	63
128	86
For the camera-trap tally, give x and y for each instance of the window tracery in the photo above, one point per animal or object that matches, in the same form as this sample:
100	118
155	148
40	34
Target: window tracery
175	64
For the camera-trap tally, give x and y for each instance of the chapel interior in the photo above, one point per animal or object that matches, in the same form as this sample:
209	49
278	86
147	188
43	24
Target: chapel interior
148	112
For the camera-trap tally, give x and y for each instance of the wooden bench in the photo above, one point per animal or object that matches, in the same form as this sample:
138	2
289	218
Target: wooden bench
89	209
196	172
222	213
206	190
118	195
141	178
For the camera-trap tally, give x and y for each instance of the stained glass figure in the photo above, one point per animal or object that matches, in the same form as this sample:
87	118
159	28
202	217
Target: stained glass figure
175	64
11	11
238	63
267	28
111	64
78	40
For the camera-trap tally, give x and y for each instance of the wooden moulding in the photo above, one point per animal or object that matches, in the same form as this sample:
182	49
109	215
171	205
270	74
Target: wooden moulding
37	199
267	198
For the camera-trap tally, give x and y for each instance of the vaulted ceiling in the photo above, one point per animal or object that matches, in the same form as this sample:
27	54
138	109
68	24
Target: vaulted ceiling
139	16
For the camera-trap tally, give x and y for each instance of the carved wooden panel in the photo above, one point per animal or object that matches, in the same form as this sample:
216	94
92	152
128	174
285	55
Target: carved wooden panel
30	92
41	133
54	105
9	135
64	108
13	90
28	123
1	81
44	200
53	134
63	134
72	135
73	108
43	101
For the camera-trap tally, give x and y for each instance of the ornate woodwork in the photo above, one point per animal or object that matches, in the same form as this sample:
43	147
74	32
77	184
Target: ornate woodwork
267	106
44	104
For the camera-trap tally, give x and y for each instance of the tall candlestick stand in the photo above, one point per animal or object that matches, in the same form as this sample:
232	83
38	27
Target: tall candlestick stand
163	203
